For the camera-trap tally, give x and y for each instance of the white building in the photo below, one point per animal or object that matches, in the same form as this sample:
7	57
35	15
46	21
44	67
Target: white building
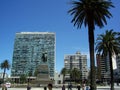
6	76
58	78
78	61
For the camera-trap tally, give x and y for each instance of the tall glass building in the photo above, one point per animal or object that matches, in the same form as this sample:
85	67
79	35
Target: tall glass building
28	50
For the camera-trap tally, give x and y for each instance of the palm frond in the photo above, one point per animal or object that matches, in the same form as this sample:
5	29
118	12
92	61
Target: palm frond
82	10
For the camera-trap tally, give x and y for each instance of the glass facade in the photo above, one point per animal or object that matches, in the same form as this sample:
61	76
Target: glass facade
28	50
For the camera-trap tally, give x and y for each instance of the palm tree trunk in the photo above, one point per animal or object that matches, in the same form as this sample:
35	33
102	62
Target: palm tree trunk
4	74
91	50
92	62
111	71
28	81
63	79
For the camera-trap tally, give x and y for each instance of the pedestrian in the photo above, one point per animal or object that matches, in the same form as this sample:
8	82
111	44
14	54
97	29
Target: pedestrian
70	86
83	86
28	87
45	88
87	88
63	87
4	87
78	86
50	86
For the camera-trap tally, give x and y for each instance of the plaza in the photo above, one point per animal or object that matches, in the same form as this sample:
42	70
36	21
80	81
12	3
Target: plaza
40	88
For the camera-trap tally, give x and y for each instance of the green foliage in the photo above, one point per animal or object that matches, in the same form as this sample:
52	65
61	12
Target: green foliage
75	74
30	72
23	78
64	71
5	65
36	72
108	44
94	11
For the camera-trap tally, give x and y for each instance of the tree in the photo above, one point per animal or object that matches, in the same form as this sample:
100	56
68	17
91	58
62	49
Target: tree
5	65
108	45
118	36
90	13
23	78
64	72
29	75
36	72
75	74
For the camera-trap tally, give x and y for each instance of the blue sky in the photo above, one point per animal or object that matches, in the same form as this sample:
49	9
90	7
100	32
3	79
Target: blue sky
47	16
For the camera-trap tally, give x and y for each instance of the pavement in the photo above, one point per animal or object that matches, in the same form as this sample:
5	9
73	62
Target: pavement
39	88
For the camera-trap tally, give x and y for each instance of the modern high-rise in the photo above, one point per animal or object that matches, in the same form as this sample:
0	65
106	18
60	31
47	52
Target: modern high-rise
28	50
118	66
77	61
103	66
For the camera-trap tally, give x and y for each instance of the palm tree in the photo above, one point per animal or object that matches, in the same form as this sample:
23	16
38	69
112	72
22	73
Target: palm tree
108	45
64	72
91	13
5	65
118	36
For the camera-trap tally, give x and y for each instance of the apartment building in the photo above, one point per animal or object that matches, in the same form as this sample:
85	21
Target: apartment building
78	61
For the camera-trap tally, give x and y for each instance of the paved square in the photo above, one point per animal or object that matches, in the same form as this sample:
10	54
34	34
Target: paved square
98	88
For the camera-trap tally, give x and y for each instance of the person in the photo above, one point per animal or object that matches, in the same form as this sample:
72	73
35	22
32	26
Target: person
63	87
28	87
87	88
69	86
50	86
83	86
78	87
45	88
4	87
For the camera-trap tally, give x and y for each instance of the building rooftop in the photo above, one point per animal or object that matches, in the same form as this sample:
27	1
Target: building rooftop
35	33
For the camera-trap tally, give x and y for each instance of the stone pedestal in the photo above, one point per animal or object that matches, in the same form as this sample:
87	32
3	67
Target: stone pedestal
43	72
43	75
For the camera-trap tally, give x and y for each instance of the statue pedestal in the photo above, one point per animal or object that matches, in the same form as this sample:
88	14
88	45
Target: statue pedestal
43	75
43	72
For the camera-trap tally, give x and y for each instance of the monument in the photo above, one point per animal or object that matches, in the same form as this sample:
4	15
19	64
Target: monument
43	76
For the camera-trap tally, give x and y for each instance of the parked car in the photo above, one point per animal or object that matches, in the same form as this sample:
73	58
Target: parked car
8	85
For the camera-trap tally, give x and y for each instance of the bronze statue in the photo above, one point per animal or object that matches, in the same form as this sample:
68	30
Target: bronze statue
44	57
